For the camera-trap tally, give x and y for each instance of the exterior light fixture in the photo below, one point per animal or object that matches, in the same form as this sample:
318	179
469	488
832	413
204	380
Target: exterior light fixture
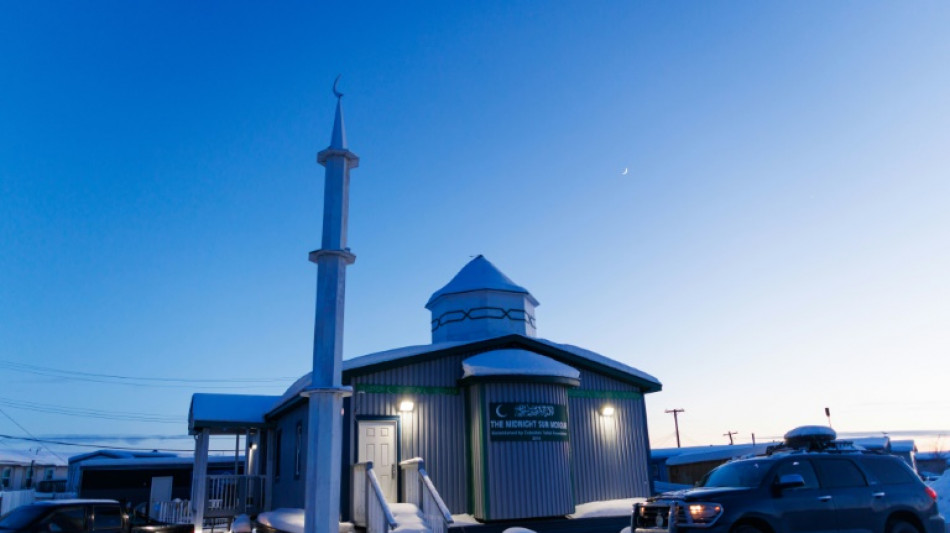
607	410
406	406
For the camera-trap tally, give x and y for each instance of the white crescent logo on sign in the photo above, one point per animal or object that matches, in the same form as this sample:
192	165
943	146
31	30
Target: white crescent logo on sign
498	412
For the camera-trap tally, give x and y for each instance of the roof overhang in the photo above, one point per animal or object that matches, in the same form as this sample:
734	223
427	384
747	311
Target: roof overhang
225	414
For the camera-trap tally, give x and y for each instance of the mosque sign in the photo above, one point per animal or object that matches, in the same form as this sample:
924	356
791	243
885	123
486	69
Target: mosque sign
519	421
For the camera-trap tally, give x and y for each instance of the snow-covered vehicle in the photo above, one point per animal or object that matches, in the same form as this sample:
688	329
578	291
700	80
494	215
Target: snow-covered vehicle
811	484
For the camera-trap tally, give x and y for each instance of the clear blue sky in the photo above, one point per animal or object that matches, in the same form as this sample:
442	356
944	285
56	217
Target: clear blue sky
779	244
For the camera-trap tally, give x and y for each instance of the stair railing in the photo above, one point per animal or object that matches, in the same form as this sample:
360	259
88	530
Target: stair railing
418	489
370	509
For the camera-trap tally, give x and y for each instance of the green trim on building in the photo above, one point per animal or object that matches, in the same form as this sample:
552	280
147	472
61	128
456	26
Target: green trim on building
402	389
604	394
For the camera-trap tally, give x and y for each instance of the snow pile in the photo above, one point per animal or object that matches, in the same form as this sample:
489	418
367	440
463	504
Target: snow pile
605	508
284	519
241	524
465	519
942	486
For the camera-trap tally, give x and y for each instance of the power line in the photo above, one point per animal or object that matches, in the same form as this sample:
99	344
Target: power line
137	380
99	446
89	413
28	433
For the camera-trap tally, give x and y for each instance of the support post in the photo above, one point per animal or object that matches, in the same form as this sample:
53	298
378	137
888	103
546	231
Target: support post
269	475
199	479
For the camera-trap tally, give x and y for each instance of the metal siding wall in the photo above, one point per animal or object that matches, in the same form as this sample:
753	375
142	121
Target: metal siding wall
528	479
434	430
610	454
287	491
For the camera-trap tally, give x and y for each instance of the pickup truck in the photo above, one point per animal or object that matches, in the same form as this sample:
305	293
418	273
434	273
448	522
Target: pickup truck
81	516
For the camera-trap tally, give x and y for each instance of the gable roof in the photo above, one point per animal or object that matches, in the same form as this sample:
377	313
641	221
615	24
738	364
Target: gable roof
564	353
479	275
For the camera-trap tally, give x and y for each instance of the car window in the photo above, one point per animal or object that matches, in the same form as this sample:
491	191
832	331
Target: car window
837	473
887	471
800	467
65	520
107	517
745	473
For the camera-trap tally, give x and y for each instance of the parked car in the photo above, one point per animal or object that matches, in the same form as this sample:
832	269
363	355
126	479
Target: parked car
80	516
812	484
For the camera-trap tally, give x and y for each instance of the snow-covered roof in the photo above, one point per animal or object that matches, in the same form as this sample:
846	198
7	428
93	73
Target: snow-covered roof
228	410
148	462
40	457
396	355
479	274
872	443
514	362
903	446
717	453
602	360
117	454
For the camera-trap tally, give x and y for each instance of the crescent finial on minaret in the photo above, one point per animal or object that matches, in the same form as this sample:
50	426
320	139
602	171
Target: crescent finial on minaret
336	92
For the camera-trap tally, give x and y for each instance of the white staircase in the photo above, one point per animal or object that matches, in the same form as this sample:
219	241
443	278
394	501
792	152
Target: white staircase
422	512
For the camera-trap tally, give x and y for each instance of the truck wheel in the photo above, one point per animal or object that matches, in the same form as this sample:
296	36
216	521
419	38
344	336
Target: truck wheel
901	526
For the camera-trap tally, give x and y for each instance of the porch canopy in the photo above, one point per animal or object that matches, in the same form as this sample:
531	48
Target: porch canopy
226	414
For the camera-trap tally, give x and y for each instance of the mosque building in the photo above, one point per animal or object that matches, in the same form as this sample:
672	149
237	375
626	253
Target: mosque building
503	424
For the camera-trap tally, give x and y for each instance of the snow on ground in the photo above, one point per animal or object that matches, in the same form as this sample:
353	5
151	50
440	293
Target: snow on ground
605	508
465	519
942	486
284	519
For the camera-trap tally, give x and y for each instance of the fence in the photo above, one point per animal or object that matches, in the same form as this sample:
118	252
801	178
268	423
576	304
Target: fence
11	499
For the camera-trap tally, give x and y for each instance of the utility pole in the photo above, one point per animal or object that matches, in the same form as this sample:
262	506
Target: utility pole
730	434
828	414
676	422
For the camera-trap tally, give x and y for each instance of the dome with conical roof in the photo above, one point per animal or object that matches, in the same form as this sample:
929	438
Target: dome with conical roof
481	302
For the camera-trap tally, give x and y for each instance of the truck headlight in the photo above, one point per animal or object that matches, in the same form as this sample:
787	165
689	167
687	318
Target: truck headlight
704	513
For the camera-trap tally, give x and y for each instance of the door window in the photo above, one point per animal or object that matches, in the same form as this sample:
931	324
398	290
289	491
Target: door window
800	467
68	520
839	473
107	517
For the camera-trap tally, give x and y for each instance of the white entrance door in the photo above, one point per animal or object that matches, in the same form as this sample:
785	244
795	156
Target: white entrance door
161	492
377	443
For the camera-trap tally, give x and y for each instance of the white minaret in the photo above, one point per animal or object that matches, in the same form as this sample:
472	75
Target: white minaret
325	431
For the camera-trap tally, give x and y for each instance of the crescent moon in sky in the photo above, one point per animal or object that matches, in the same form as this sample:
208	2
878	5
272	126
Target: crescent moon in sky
336	91
498	412
624	173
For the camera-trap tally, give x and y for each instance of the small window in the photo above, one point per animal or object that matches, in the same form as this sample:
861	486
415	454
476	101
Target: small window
48	475
887	471
5	479
800	467
840	473
277	453
298	450
68	520
106	517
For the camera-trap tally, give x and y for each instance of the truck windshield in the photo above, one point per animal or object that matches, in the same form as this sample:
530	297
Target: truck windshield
747	474
21	517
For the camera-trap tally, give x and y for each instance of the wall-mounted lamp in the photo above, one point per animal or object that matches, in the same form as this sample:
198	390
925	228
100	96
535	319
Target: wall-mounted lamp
607	410
406	406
